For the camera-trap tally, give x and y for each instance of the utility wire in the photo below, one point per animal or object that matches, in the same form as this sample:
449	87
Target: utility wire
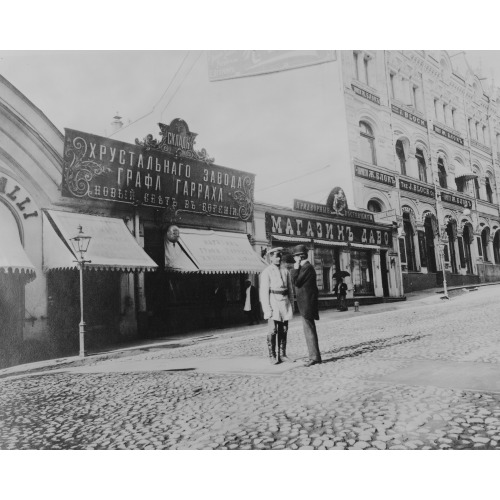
159	100
180	84
293	179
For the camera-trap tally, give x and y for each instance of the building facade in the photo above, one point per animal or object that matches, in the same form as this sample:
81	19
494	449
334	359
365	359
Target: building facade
342	243
424	141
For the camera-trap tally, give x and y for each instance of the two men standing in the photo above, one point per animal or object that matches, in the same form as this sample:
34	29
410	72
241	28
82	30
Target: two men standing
276	297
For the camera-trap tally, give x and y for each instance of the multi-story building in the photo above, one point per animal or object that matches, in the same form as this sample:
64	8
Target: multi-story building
424	144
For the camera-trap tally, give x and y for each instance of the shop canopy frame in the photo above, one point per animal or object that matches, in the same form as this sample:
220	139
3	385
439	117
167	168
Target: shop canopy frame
112	247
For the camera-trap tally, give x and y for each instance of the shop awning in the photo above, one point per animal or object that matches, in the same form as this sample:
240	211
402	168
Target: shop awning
13	258
463	174
111	248
207	251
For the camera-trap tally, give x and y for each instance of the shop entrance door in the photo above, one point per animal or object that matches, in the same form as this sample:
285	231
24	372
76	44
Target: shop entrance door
385	272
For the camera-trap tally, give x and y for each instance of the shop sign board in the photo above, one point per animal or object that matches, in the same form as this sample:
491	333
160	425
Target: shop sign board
365	94
456	200
413	187
448	135
409	116
14	195
318	208
373	175
325	230
160	174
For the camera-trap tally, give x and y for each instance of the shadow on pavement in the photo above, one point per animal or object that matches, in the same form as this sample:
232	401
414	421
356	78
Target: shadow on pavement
371	346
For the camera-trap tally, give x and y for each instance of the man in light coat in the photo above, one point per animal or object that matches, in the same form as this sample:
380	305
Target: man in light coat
306	288
276	297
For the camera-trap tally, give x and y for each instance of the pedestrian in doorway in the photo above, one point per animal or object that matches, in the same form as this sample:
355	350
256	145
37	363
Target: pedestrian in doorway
252	306
306	288
341	293
276	297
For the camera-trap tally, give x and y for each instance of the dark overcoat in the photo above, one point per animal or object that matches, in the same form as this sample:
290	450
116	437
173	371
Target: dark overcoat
306	290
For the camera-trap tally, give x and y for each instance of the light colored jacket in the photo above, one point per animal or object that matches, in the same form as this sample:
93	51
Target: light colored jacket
276	293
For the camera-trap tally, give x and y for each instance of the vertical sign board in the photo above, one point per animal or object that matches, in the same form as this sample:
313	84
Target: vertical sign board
98	168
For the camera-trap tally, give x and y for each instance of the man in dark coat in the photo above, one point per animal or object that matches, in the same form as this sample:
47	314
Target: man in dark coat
306	289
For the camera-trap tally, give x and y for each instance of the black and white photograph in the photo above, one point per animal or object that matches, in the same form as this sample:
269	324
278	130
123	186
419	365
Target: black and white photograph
282	252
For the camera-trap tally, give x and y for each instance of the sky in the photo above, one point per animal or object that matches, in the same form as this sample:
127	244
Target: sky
275	125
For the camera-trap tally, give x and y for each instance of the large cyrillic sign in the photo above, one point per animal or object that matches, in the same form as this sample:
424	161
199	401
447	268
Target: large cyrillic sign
325	230
98	168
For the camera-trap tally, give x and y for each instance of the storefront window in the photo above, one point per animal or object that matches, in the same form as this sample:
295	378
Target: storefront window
423	248
485	235
409	242
361	272
496	247
429	243
328	257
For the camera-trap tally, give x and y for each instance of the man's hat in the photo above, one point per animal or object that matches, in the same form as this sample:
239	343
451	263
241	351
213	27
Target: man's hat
300	249
274	250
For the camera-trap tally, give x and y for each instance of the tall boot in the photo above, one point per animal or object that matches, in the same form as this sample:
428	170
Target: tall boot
271	344
282	344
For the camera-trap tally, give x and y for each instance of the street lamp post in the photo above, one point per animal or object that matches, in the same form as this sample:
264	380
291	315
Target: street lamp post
80	244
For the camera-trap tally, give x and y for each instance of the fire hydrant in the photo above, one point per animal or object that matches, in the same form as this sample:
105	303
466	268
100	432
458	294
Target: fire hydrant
356	306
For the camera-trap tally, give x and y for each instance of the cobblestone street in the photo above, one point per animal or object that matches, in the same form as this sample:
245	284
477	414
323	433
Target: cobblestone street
424	375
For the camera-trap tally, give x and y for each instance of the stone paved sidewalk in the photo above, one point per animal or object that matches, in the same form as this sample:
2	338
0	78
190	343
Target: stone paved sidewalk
367	394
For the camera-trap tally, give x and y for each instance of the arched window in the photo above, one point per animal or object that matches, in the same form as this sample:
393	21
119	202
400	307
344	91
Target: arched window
429	244
409	242
496	247
367	143
485	236
400	151
442	174
374	206
477	193
489	191
467	240
422	168
451	230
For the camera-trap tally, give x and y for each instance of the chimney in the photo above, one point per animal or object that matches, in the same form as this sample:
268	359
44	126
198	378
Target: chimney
117	123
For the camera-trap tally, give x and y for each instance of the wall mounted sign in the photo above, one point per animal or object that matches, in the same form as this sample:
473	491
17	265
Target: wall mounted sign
373	175
455	200
324	230
317	208
16	197
413	187
176	140
98	168
336	205
409	116
448	135
365	94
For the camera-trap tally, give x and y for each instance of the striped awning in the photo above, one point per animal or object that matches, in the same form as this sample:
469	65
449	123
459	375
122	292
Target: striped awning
212	252
112	247
463	173
13	258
